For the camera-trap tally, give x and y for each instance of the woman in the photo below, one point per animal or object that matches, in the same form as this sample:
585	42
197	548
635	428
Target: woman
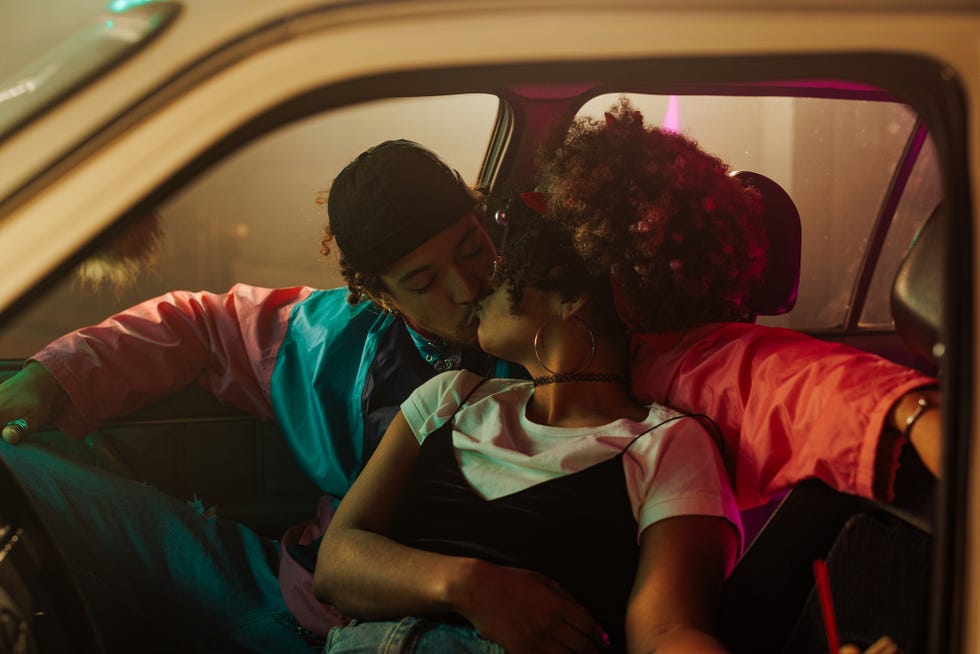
684	246
555	515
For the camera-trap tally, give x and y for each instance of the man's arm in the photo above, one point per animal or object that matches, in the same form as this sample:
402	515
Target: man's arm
916	415
226	341
789	406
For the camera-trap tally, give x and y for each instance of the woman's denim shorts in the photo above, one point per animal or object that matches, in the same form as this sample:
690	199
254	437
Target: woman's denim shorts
407	636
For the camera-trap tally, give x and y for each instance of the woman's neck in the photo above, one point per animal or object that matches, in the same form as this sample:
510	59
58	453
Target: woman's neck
585	403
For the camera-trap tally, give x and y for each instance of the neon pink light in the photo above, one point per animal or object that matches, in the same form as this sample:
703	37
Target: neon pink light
672	119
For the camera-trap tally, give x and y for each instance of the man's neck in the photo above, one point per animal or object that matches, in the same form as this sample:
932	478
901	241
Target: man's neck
443	355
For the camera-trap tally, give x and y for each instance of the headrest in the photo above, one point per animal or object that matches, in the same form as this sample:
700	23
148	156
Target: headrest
917	295
776	291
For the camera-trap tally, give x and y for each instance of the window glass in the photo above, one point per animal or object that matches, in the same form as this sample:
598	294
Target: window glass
922	195
834	157
254	217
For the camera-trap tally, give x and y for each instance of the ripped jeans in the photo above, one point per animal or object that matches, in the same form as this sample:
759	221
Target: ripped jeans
410	635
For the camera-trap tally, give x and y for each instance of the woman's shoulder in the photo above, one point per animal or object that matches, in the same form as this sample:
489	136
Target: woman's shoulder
441	397
661	414
672	424
462	384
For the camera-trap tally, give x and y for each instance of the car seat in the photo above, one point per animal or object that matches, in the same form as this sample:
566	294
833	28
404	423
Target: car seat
916	300
777	290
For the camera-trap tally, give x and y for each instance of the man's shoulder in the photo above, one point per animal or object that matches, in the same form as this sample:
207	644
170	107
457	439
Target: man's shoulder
331	306
325	321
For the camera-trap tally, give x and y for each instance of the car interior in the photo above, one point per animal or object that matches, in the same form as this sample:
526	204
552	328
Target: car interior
852	184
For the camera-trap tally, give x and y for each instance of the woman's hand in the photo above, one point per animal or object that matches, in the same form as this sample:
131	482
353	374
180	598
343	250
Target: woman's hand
31	397
367	575
523	611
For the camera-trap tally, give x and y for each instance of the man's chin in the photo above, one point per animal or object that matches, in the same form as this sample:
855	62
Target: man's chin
462	336
467	335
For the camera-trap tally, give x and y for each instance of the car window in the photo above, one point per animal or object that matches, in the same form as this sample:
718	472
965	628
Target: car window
254	217
922	195
835	157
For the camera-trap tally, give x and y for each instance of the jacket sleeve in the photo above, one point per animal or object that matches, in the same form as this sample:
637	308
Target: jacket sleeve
228	342
789	406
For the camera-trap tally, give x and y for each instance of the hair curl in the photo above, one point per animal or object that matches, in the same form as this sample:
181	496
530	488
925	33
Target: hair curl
682	239
360	286
539	254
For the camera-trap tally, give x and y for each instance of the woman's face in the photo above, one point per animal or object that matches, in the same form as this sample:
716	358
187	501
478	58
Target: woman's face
508	335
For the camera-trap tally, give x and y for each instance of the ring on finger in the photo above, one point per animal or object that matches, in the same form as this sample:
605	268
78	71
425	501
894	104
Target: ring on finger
15	430
19	424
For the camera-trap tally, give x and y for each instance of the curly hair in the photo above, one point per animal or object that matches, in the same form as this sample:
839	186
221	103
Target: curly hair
682	240
360	286
539	254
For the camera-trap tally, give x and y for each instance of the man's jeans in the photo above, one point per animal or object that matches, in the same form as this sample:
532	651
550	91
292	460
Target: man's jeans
155	574
407	636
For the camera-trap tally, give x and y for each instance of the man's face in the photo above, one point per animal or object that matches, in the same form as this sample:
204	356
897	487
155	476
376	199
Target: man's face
437	285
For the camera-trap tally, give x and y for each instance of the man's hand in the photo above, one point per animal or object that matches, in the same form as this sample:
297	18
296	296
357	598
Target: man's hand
27	400
883	645
523	611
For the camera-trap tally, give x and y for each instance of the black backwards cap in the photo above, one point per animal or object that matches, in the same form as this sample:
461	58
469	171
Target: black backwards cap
391	199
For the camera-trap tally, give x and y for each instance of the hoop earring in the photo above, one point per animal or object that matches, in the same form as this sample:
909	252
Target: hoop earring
593	343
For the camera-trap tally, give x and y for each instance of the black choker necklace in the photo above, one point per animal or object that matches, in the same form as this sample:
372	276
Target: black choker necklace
578	377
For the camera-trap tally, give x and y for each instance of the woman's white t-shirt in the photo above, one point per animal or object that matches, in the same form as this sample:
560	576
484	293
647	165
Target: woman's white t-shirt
674	470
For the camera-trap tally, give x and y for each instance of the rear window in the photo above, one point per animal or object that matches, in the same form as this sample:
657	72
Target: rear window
836	158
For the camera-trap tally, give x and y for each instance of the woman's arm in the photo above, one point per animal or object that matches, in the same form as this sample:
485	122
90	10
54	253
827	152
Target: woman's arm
368	576
361	571
673	606
683	563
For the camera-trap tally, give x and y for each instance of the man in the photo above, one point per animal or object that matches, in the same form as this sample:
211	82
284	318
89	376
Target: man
332	373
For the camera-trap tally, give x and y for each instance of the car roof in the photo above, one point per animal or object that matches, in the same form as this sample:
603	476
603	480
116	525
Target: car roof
213	39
